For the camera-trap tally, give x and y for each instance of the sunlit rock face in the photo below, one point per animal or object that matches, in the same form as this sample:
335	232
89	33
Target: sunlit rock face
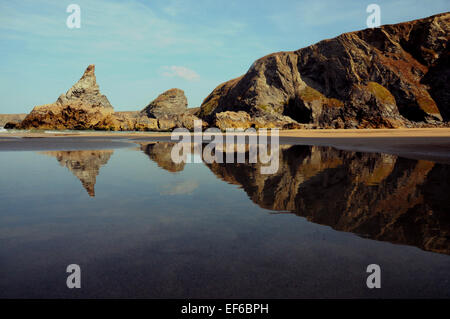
11	118
81	107
86	91
169	111
392	76
377	196
170	102
166	113
85	165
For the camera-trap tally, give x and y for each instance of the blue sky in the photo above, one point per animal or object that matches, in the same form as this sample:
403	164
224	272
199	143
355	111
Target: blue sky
142	48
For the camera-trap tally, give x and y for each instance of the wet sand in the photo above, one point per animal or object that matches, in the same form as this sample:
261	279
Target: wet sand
429	144
61	143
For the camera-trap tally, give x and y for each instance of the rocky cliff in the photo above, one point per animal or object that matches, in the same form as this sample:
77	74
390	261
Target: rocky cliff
392	76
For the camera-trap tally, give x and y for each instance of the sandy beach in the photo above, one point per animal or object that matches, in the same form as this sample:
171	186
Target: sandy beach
328	133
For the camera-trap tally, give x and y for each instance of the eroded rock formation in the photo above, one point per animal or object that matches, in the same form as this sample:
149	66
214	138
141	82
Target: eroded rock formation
243	120
171	102
170	111
167	112
392	76
13	119
81	107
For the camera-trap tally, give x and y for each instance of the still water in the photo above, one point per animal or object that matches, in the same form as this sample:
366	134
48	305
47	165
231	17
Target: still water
140	225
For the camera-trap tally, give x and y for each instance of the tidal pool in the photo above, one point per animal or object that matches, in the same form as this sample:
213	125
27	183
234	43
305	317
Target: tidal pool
141	226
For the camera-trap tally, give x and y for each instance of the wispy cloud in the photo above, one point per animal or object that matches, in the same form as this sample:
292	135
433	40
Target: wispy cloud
115	26
180	71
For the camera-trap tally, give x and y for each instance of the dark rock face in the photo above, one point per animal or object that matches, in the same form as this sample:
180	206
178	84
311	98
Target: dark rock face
392	76
438	78
82	107
11	125
166	104
377	196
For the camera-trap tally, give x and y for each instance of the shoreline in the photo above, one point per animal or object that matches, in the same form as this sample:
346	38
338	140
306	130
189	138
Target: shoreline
417	143
301	133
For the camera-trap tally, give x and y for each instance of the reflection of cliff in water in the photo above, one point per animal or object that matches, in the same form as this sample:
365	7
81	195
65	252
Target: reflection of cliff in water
85	165
377	196
160	153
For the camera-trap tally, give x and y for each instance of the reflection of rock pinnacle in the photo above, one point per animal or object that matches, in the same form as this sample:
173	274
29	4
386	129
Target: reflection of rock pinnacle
85	165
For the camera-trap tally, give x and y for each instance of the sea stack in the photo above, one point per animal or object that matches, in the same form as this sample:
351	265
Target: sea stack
169	103
170	111
81	107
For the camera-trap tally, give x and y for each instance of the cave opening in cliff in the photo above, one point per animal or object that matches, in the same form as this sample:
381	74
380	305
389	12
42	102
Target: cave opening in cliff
413	112
297	110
